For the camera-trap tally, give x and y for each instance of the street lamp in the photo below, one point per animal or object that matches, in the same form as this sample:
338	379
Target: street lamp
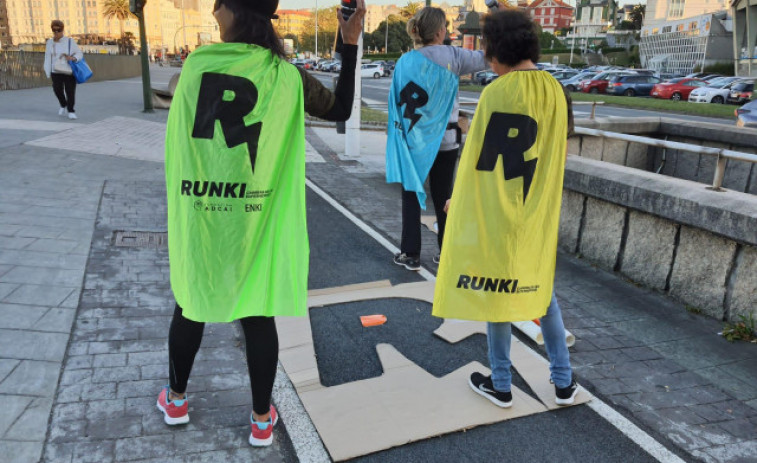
316	29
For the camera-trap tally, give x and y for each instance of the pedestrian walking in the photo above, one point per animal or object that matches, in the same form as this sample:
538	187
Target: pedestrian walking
498	261
59	51
423	137
235	179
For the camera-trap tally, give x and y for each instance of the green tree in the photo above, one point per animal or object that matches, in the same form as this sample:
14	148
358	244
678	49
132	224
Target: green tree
626	26
637	16
396	36
547	40
327	27
410	9
118	9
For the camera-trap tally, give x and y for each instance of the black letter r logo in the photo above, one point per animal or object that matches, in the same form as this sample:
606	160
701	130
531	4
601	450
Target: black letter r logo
227	99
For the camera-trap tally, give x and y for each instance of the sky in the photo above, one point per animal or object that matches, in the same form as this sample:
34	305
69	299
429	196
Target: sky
297	4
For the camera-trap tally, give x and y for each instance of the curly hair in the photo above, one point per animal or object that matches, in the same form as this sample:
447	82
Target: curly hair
511	37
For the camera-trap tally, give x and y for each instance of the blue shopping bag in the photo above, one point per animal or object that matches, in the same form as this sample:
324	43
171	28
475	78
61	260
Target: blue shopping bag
80	69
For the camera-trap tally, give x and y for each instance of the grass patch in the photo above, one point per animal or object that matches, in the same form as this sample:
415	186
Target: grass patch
471	88
743	330
681	107
373	115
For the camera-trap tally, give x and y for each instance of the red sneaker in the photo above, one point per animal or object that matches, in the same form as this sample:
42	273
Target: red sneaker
174	411
262	433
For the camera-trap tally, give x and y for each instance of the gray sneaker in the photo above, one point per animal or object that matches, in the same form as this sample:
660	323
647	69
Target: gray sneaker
410	263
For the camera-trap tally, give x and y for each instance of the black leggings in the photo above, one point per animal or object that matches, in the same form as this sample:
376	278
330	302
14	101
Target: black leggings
262	345
64	87
440	183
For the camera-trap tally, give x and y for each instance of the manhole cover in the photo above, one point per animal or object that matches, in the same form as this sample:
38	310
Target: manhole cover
140	239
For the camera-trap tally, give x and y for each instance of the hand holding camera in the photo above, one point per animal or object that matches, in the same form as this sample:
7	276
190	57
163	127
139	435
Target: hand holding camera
350	17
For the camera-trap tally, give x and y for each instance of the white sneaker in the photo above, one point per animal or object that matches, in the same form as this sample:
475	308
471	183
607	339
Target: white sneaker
72	116
62	112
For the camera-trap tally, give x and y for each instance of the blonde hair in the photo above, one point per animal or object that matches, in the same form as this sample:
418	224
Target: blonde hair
425	24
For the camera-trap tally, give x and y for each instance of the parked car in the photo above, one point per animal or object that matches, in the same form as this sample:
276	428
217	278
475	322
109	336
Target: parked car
372	70
669	75
384	66
713	93
484	77
573	83
697	75
323	64
711	77
741	92
599	83
563	74
632	85
676	89
336	67
746	116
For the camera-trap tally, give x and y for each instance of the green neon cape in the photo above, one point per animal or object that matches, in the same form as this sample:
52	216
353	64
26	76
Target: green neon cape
237	233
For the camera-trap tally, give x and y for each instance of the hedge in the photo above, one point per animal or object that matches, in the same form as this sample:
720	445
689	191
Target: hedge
382	56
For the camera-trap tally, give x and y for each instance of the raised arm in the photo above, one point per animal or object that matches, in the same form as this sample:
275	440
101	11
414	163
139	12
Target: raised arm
337	106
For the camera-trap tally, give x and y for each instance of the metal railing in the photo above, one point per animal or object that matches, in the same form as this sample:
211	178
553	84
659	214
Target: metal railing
575	103
721	154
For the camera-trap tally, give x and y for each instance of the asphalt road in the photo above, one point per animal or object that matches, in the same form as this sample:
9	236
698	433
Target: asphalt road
376	95
346	353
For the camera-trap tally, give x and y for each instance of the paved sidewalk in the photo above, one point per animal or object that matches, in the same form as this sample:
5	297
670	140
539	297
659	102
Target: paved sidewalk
83	331
641	352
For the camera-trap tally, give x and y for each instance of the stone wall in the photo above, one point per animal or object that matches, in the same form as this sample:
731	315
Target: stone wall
740	176
22	70
672	235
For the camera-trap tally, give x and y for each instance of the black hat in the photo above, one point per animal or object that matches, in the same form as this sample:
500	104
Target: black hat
266	7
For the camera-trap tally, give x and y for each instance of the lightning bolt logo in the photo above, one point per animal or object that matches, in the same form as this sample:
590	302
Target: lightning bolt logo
414	97
510	135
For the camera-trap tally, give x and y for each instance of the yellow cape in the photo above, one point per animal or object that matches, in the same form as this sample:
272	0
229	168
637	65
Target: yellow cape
500	243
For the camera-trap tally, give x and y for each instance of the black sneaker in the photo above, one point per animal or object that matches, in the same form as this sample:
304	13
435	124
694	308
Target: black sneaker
410	263
566	395
482	385
437	258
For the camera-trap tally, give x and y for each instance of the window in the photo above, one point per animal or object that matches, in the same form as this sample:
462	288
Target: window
666	29
675	8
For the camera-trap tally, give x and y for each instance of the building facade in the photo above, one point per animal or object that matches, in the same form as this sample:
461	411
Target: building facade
168	23
292	21
744	14
551	15
687	45
594	17
662	11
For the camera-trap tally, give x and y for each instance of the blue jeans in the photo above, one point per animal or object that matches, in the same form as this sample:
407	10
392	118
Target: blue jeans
553	330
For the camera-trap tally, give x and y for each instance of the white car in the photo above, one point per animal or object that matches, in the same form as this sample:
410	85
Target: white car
713	93
372	70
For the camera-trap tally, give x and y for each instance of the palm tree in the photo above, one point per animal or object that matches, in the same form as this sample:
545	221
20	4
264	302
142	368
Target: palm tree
118	9
409	11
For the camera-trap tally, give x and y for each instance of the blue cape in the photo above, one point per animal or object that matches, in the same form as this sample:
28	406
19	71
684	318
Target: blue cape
421	99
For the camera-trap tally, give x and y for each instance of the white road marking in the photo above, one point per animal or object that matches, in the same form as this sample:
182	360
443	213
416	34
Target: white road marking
630	430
